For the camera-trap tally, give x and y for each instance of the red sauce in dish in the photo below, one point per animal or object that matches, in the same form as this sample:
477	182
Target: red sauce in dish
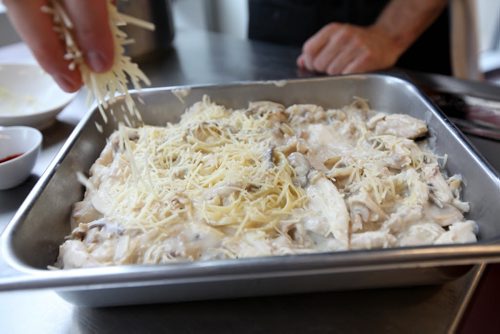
10	157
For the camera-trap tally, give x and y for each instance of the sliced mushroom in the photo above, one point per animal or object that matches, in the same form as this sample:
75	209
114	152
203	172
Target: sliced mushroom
363	211
398	125
301	166
310	113
330	212
439	191
444	215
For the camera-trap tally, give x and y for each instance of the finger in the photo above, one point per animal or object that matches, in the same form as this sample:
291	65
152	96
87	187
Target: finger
93	33
337	42
359	65
36	29
301	61
314	44
344	58
334	47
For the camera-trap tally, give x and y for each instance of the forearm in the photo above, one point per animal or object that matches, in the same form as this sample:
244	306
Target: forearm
403	21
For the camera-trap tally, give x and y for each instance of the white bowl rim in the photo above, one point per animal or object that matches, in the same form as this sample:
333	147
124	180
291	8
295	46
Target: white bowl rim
7	115
39	138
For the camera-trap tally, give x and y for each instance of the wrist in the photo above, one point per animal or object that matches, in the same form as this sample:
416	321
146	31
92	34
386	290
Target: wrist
394	40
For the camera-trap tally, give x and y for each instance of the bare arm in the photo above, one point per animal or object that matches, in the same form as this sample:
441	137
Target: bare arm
343	48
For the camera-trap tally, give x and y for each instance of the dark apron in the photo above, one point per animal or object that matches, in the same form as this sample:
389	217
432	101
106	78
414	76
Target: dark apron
292	22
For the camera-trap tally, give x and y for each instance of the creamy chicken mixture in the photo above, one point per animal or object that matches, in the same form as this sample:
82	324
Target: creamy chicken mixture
266	180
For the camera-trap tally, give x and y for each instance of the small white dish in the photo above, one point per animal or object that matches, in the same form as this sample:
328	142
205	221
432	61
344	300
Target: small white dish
29	96
19	149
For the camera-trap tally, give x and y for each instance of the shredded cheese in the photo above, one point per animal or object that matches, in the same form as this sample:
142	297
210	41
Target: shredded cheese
212	164
103	87
266	180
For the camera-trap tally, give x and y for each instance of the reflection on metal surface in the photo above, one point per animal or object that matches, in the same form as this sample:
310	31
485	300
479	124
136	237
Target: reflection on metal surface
473	115
475	275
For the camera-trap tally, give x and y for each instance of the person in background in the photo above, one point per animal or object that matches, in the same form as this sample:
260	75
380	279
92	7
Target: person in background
338	37
352	36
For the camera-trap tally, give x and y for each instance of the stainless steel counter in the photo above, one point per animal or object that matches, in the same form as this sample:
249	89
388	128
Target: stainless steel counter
209	58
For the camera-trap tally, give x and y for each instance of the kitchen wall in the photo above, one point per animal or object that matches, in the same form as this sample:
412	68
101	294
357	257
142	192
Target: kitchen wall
489	34
231	17
224	16
489	23
7	33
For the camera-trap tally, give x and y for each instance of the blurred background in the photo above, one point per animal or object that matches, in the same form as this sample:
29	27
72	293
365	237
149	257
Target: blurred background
475	30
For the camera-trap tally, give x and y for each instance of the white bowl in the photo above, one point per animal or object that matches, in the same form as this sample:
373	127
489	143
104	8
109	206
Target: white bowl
18	140
29	96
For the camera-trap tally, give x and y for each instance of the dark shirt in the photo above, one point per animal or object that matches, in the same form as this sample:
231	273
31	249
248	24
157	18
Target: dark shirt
292	22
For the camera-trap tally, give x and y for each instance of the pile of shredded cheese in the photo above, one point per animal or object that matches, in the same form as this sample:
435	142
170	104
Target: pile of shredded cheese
103	87
266	180
216	166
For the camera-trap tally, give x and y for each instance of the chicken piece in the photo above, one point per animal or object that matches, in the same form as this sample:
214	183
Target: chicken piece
420	234
257	243
455	183
84	212
301	167
403	217
459	232
409	185
439	191
445	215
330	215
196	238
100	200
442	191
325	141
398	125
372	239
125	250
74	254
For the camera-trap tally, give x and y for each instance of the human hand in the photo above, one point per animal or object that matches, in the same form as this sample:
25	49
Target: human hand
343	49
92	33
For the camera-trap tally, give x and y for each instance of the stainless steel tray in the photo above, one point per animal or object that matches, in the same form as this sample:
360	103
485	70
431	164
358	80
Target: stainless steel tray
30	242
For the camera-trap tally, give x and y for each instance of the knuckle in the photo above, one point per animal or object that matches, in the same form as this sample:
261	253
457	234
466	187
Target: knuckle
368	54
319	64
332	71
308	47
344	37
333	26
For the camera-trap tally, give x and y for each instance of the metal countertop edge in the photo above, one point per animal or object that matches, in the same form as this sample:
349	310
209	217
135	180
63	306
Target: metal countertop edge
467	298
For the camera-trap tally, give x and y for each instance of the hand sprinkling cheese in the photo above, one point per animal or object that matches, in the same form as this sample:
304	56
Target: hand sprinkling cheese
81	42
106	85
